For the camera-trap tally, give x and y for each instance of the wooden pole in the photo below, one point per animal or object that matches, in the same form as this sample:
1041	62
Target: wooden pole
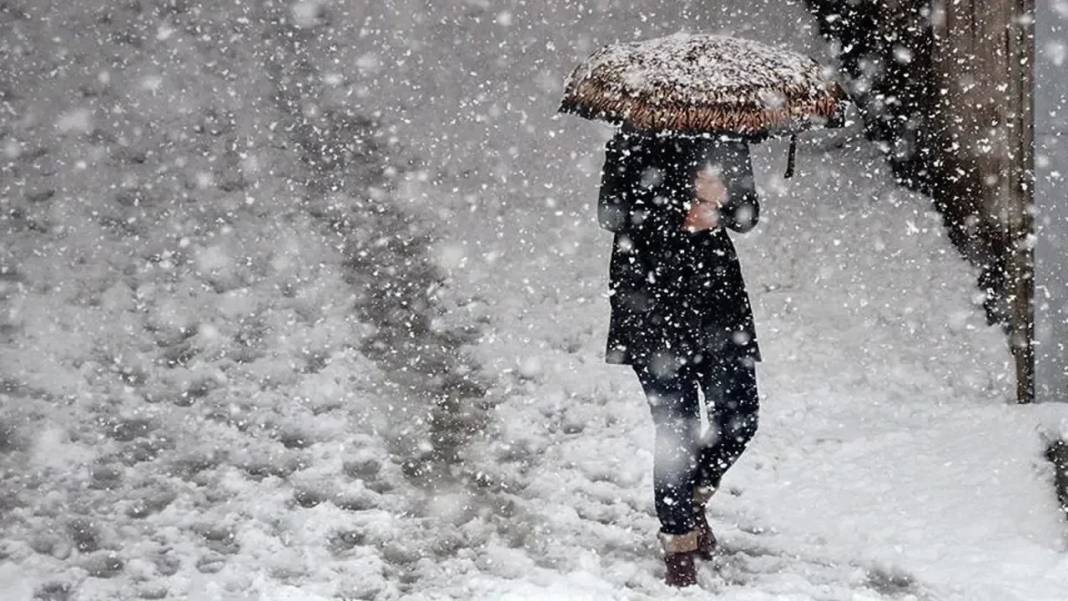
1021	42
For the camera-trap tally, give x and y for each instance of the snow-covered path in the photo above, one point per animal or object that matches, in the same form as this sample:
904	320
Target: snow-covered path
206	425
887	464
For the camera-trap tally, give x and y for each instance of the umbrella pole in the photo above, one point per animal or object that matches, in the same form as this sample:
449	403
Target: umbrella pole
790	157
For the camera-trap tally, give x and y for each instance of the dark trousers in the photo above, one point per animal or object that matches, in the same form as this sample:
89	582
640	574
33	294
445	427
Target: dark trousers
684	458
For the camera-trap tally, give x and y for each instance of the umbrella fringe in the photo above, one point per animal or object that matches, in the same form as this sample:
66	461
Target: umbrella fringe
743	115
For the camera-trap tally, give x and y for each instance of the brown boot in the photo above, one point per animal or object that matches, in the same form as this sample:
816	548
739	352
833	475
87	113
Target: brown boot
678	558
706	541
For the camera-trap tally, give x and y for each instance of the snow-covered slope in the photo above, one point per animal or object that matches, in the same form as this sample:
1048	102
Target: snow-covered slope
199	400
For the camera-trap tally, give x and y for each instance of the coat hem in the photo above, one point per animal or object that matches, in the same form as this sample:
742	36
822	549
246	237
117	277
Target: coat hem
613	357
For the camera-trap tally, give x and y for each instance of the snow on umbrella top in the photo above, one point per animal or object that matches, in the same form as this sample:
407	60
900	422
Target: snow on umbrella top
704	83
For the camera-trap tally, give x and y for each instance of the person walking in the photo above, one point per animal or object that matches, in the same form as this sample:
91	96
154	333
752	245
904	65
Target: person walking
680	315
677	175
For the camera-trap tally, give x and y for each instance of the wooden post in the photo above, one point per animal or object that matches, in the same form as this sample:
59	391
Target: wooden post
983	63
1021	43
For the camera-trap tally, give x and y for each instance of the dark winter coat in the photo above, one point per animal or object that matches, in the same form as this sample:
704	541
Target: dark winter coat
675	294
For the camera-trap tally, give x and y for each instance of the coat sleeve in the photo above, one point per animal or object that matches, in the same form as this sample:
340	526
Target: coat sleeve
742	210
618	182
627	201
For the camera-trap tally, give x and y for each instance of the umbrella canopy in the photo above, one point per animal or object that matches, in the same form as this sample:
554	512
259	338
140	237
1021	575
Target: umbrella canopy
704	83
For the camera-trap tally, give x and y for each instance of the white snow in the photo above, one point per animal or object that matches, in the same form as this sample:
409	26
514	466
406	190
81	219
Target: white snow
724	66
187	408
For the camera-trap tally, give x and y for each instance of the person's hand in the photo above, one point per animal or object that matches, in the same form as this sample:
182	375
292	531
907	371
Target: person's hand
711	194
702	216
709	187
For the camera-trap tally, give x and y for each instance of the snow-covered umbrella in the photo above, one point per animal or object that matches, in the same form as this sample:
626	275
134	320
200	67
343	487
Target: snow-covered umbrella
705	83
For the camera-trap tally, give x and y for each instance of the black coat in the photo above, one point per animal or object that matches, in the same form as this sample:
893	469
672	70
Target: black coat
675	294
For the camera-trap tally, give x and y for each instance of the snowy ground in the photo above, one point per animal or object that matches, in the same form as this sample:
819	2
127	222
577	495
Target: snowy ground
235	360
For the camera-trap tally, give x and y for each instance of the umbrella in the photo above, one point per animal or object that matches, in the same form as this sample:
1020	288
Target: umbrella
705	83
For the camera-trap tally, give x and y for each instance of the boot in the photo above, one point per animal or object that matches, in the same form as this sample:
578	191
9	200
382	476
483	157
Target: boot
678	558
706	540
